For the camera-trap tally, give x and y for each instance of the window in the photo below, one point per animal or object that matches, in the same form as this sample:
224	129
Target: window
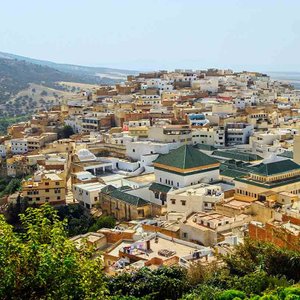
133	150
95	198
46	183
56	183
183	202
47	190
185	235
37	199
173	201
141	213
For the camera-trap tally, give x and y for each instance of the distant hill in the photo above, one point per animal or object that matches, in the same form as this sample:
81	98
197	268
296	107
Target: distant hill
17	75
74	69
20	76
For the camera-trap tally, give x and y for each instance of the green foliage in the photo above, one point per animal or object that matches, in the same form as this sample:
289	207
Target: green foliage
44	93
7	121
78	220
103	222
273	260
15	209
9	185
163	283
204	292
257	270
16	75
65	132
43	263
231	295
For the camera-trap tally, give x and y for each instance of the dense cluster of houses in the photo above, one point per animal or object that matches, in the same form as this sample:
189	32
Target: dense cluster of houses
188	162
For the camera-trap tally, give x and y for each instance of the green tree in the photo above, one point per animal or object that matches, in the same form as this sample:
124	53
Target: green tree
163	283
65	132
43	263
231	295
44	93
103	222
255	255
12	186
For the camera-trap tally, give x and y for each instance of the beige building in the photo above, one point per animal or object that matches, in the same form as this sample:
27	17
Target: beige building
274	175
211	228
45	188
122	205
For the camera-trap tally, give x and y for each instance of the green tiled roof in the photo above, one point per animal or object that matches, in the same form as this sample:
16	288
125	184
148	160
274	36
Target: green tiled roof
108	189
288	154
235	166
232	154
276	167
233	173
269	185
205	147
159	187
123	196
130	199
185	157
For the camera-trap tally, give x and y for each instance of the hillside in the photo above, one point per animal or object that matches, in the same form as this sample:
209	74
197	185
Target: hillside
99	72
17	75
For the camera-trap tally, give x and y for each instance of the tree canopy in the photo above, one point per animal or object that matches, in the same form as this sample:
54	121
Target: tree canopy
42	263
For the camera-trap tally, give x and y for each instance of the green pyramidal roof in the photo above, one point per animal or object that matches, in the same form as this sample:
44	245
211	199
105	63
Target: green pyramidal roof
186	157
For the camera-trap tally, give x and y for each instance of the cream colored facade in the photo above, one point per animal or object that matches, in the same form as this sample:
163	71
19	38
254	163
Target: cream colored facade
45	188
296	149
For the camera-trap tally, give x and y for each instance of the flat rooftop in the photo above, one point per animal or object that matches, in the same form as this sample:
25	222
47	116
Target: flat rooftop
94	186
150	177
236	204
173	246
53	176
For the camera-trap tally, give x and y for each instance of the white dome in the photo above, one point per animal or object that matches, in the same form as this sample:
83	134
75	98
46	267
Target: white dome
85	155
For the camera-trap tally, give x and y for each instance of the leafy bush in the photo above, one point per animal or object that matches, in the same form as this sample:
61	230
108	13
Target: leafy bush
103	222
43	263
254	255
163	283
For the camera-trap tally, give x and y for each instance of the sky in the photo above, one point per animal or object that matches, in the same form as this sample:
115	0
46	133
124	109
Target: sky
140	35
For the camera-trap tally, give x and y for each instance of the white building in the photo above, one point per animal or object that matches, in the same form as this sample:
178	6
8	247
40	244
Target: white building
19	146
185	166
206	85
87	194
171	134
2	150
200	197
238	133
137	150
